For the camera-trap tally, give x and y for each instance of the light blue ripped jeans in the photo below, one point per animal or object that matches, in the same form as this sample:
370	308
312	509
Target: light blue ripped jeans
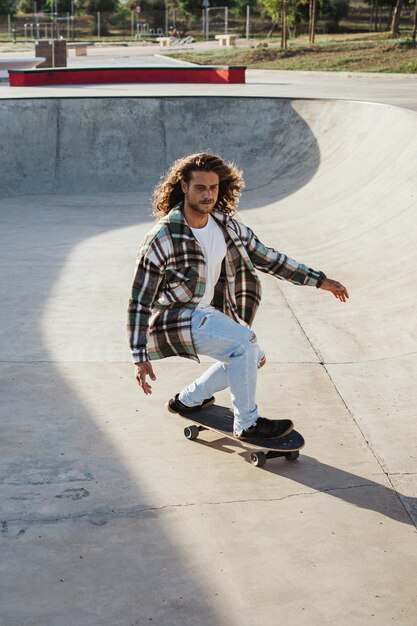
238	353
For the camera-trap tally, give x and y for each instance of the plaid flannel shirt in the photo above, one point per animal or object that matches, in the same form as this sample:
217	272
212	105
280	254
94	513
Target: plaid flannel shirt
170	281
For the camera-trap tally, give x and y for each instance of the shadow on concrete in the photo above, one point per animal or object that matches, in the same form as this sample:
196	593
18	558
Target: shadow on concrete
322	478
62	477
312	473
80	535
347	486
57	466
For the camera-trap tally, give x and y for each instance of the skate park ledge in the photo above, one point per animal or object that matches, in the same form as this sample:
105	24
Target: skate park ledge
110	75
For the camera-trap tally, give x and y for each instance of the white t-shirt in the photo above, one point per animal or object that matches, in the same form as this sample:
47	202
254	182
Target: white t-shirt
211	239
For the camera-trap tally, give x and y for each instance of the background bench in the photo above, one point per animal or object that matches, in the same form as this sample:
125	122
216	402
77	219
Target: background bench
227	40
80	47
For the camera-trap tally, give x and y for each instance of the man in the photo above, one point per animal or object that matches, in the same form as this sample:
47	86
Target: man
196	290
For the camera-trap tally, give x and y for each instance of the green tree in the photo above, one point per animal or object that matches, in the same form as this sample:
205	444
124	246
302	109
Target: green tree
240	5
284	12
102	6
329	11
396	14
273	8
394	7
63	6
395	25
194	7
23	6
7	6
333	11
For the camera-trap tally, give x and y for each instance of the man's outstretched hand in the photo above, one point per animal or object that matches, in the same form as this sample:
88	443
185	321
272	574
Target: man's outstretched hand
337	289
142	370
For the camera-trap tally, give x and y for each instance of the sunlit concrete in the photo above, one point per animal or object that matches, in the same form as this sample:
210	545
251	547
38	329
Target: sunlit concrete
396	90
123	520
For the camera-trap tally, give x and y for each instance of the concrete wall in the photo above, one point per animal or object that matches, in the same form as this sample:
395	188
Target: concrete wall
124	144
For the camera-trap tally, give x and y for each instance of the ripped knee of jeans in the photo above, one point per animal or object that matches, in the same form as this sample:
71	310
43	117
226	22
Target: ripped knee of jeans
203	321
261	360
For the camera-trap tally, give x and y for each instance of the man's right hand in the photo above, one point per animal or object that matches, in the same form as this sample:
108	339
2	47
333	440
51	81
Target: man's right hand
142	370
337	289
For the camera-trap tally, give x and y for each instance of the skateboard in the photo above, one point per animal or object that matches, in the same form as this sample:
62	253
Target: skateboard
219	419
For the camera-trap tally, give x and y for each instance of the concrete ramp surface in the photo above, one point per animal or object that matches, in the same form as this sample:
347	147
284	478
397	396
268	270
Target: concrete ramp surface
109	516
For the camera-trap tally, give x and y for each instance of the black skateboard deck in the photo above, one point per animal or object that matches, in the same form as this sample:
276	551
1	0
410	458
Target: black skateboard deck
219	419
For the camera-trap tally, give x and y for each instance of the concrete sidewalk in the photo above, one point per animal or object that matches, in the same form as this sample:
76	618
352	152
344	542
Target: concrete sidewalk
110	517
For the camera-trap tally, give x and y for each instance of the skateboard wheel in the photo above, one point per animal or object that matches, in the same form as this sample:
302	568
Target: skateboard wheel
292	456
191	432
258	459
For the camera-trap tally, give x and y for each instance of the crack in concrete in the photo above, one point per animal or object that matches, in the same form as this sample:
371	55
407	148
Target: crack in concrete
101	517
401	474
348	409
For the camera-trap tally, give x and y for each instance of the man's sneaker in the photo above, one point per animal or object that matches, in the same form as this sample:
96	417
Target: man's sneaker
267	429
175	406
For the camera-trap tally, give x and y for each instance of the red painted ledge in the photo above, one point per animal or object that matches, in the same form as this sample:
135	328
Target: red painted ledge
111	75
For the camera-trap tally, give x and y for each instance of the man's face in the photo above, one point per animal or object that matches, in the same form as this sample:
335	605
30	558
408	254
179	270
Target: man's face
201	193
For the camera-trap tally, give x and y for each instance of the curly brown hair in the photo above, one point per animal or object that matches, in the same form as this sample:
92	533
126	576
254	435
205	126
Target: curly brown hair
168	193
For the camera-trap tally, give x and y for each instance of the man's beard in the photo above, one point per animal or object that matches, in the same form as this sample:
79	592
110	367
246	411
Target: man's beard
201	207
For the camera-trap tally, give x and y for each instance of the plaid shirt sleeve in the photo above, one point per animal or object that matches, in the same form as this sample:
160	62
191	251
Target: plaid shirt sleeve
147	279
280	265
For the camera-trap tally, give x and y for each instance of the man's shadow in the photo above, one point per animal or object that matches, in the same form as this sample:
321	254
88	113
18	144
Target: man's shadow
320	477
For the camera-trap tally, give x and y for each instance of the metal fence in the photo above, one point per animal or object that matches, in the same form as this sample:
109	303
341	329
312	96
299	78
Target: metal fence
148	25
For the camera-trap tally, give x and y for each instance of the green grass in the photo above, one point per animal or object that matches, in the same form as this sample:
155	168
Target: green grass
405	68
360	54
